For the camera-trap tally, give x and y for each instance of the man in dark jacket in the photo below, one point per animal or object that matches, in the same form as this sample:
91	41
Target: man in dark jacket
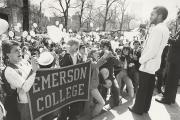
174	69
71	58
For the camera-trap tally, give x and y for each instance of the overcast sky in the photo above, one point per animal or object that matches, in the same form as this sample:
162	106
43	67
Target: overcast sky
140	8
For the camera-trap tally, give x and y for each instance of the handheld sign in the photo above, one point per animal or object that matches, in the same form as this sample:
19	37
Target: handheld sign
56	88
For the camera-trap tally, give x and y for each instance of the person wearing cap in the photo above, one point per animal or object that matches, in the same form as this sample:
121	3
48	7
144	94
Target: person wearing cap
19	77
47	60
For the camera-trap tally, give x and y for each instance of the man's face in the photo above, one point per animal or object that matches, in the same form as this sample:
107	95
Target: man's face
154	17
104	48
178	19
74	48
136	45
82	51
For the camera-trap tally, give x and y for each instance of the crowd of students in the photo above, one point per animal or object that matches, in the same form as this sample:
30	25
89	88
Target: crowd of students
111	72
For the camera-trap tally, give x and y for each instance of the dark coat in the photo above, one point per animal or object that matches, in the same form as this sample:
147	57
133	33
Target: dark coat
174	56
67	60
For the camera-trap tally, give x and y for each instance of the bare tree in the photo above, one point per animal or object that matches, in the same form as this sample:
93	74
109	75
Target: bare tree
82	8
106	18
88	16
123	6
40	11
64	9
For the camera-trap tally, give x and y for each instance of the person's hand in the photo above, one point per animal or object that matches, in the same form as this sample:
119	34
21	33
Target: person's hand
107	54
34	64
131	64
135	57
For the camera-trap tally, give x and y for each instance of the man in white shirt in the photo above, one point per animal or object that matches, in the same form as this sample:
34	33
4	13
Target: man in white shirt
150	60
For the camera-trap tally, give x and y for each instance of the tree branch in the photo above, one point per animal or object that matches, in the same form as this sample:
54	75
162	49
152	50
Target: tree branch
60	2
109	18
74	6
111	3
56	9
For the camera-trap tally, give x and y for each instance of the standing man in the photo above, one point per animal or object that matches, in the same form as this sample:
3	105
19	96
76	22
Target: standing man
173	73
150	60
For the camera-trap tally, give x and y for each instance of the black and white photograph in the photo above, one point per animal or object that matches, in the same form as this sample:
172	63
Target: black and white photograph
89	59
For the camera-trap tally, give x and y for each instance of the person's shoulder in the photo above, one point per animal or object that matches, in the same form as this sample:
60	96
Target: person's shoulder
66	55
161	27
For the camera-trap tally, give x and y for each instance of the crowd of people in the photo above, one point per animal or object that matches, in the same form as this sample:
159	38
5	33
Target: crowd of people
129	68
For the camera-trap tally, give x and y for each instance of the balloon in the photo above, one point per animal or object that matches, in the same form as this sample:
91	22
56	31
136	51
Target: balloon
97	29
11	34
19	25
28	38
4	26
25	34
60	27
91	24
32	40
54	33
64	30
4	37
16	28
57	23
32	33
70	31
35	25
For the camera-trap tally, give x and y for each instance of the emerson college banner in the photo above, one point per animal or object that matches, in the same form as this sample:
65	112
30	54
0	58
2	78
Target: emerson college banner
55	88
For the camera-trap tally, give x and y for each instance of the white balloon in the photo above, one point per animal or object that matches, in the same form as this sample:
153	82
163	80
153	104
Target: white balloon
57	23
70	30
11	34
91	24
35	25
28	38
32	40
64	30
4	37
60	27
19	25
4	26
16	28
25	34
55	34
32	33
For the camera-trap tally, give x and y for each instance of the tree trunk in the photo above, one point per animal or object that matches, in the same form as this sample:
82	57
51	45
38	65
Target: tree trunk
122	19
25	15
105	19
81	14
65	21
